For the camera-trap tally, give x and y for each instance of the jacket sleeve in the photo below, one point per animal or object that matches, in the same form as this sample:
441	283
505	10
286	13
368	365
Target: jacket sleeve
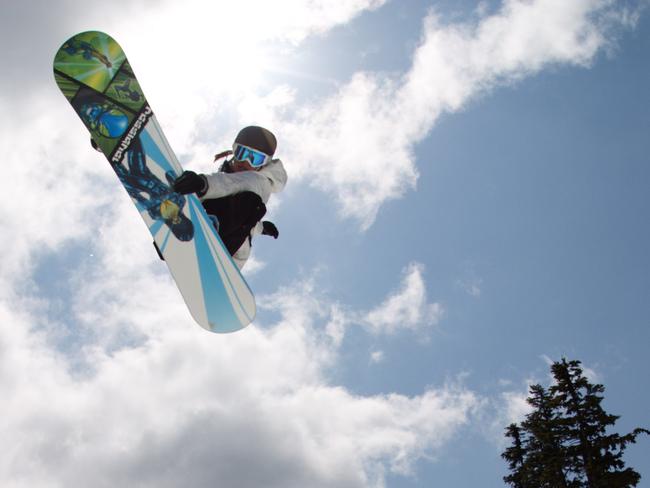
270	179
224	184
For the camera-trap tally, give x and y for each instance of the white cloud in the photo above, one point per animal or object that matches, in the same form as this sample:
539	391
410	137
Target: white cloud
591	374
227	47
515	406
253	266
471	286
183	406
407	308
508	408
469	281
359	143
377	356
52	186
504	408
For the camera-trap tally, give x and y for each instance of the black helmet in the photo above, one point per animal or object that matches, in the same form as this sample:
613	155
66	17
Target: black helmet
257	138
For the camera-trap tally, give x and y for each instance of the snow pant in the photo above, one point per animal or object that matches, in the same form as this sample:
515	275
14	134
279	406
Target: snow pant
237	215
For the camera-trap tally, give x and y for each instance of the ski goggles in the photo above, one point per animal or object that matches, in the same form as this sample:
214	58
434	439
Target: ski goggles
256	158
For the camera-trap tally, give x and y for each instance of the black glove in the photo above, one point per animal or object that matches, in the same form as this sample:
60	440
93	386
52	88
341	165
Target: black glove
269	229
190	182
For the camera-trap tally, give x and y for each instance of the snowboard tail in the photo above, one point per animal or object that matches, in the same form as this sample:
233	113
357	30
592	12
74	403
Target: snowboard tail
95	76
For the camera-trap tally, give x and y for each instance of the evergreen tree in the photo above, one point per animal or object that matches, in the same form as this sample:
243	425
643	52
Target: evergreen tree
515	455
563	442
536	457
594	456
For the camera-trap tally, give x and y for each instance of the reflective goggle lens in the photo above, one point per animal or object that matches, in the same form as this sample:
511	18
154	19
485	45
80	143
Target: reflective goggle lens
254	157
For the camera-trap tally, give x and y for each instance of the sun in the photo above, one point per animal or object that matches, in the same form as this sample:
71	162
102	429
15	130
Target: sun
208	46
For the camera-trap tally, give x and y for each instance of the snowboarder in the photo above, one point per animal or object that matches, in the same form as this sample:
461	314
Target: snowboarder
238	193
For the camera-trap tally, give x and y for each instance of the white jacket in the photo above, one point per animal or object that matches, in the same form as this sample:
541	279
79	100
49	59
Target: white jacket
270	179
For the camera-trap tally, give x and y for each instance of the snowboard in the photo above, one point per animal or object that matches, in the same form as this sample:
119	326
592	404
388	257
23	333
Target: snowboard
95	76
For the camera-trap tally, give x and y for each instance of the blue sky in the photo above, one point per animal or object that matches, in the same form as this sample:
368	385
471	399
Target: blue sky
467	201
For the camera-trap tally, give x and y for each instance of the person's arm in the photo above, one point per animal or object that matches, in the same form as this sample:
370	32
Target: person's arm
219	185
223	184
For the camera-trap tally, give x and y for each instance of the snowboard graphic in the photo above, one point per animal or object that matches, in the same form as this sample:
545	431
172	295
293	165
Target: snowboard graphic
93	73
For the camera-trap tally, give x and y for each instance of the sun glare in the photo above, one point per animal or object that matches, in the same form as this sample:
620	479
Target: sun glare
208	43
